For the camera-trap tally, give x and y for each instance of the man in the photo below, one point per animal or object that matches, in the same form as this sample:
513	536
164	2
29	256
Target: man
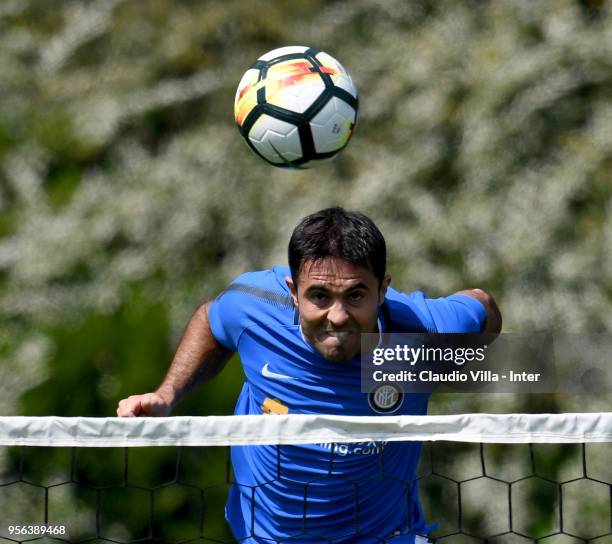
298	332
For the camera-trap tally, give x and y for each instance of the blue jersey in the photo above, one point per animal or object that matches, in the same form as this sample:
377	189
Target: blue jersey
321	491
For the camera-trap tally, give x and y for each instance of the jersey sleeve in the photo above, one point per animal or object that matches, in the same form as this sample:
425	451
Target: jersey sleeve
414	312
252	299
227	315
457	314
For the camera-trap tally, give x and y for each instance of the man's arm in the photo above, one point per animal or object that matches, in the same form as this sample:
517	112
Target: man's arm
198	359
494	318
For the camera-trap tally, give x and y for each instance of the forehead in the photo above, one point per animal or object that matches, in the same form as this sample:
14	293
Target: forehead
334	272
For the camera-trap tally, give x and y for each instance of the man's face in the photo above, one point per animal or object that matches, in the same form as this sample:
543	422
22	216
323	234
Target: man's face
337	301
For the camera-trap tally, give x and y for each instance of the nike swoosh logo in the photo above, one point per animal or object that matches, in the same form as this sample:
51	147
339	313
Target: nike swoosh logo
267	373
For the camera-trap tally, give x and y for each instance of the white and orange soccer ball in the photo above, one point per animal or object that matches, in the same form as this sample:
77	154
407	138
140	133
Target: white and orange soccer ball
296	106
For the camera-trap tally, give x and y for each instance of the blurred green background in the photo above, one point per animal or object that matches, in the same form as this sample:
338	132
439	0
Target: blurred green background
483	150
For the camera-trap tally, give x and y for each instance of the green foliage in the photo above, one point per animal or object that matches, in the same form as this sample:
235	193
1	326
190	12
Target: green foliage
97	361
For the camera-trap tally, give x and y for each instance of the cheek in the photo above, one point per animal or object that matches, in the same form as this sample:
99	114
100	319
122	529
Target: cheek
310	315
367	316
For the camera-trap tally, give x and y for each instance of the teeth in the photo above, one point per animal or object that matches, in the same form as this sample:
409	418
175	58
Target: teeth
338	334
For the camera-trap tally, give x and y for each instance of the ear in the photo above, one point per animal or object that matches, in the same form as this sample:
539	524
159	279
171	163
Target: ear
383	288
293	289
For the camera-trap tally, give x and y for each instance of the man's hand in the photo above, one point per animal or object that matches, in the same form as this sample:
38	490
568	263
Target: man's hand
198	359
149	404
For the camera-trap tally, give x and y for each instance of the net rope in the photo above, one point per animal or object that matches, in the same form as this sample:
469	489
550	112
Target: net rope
490	478
303	429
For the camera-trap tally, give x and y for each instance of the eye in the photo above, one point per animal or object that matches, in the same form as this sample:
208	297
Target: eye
318	297
356	296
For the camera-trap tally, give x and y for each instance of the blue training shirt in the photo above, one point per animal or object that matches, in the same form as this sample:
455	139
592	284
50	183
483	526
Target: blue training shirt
321	491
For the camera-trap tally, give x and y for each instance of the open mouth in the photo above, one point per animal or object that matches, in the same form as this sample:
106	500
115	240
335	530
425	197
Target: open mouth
337	334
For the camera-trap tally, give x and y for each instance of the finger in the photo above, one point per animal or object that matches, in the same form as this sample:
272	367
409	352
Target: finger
129	407
120	408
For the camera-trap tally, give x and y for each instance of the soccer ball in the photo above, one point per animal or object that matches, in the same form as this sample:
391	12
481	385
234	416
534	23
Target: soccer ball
296	106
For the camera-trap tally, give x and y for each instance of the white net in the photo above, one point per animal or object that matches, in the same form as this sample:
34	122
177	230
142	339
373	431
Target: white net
496	478
303	429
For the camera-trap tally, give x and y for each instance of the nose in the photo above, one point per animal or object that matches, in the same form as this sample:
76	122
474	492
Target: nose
337	315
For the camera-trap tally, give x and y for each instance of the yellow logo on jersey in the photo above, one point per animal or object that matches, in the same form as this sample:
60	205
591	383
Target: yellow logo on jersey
274	407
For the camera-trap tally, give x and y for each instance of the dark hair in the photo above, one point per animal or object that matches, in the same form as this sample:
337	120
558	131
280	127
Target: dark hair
334	232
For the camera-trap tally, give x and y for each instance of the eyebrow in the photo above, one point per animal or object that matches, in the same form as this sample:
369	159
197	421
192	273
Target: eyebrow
325	287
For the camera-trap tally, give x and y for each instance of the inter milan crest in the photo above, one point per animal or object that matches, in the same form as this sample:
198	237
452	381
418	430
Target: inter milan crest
386	399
